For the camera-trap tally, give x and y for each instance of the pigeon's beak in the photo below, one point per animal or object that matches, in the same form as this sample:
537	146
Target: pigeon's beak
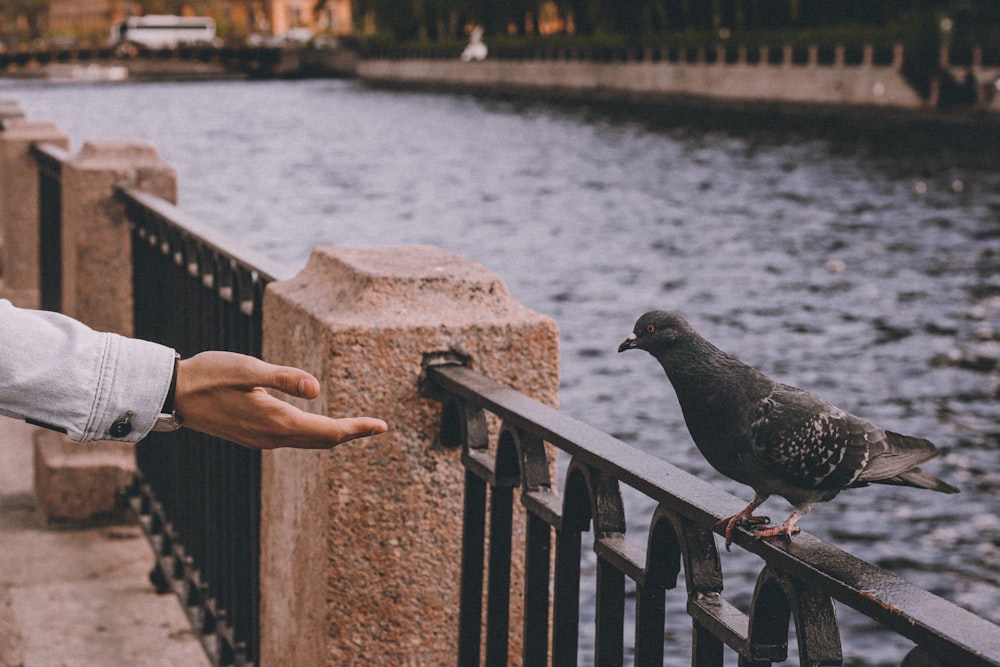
628	344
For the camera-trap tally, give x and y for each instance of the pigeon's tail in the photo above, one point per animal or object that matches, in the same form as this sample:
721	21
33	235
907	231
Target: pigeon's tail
897	464
921	480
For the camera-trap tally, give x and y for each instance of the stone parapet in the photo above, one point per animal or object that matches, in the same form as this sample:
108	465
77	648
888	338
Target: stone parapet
9	109
361	545
96	239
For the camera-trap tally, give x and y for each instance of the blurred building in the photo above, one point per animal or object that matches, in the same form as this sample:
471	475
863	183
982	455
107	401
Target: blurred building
91	20
86	19
329	16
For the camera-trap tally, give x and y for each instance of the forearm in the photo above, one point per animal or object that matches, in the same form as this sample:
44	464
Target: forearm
56	371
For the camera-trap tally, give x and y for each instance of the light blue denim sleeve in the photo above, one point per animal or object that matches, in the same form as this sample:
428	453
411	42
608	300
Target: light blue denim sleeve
58	372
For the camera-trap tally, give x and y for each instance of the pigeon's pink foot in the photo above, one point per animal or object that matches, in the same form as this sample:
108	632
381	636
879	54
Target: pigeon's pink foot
789	528
744	518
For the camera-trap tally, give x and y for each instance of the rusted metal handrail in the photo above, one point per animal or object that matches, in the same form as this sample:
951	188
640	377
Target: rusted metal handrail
799	581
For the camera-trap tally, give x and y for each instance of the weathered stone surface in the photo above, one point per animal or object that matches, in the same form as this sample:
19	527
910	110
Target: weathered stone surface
96	244
78	481
849	86
361	545
78	594
9	110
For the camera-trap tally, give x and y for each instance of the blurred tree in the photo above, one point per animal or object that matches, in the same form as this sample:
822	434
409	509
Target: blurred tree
34	13
398	18
582	12
923	47
165	7
624	16
484	14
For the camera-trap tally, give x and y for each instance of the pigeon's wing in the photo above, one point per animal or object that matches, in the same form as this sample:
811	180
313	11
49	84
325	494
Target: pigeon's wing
810	442
894	454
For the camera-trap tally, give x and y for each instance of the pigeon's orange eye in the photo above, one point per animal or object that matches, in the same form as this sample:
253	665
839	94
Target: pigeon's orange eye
650	328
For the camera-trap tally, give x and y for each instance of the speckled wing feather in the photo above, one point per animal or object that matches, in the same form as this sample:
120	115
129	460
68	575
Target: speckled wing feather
894	454
810	442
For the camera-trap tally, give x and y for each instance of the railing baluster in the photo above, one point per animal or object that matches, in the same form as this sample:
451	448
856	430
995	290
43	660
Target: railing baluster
473	557
50	159
566	596
498	577
465	427
609	642
538	560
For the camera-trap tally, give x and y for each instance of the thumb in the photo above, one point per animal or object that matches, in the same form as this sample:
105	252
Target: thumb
292	381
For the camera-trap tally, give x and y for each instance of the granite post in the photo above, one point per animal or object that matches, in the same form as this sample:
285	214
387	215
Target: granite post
9	109
361	545
19	215
74	482
96	239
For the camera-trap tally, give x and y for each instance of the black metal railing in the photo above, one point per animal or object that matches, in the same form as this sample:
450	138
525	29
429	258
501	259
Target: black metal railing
198	498
50	159
798	584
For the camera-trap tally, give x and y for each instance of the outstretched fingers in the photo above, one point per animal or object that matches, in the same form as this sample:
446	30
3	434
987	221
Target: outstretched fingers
225	395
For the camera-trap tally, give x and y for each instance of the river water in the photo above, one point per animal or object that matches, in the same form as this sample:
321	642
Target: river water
861	266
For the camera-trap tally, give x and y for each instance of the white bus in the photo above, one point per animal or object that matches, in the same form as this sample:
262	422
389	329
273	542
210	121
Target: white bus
157	31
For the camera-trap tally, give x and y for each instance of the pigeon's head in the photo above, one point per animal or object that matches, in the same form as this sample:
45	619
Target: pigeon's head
657	332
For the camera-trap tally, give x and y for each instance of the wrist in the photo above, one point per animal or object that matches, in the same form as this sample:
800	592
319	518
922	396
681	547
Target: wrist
168	419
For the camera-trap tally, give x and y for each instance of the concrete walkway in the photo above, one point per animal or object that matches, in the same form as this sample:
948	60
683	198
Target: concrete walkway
73	596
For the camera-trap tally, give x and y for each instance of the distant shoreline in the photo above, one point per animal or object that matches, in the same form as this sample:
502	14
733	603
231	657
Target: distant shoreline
773	86
875	92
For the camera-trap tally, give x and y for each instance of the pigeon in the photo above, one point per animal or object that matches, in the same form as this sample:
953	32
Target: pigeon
775	438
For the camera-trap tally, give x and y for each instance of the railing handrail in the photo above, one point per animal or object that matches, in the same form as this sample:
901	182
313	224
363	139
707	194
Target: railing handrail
932	622
217	242
50	155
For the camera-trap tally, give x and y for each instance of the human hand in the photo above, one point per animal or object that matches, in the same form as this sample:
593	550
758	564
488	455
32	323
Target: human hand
224	394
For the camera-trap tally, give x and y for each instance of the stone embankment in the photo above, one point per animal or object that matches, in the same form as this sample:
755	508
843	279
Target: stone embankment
771	76
194	63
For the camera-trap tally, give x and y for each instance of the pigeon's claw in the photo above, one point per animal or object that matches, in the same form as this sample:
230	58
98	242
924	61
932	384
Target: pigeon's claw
744	518
789	528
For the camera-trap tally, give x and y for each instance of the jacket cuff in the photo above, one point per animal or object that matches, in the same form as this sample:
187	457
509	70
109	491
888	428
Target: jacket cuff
133	383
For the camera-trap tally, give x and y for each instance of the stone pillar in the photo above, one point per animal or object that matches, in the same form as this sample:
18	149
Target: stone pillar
19	221
9	109
96	239
361	545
